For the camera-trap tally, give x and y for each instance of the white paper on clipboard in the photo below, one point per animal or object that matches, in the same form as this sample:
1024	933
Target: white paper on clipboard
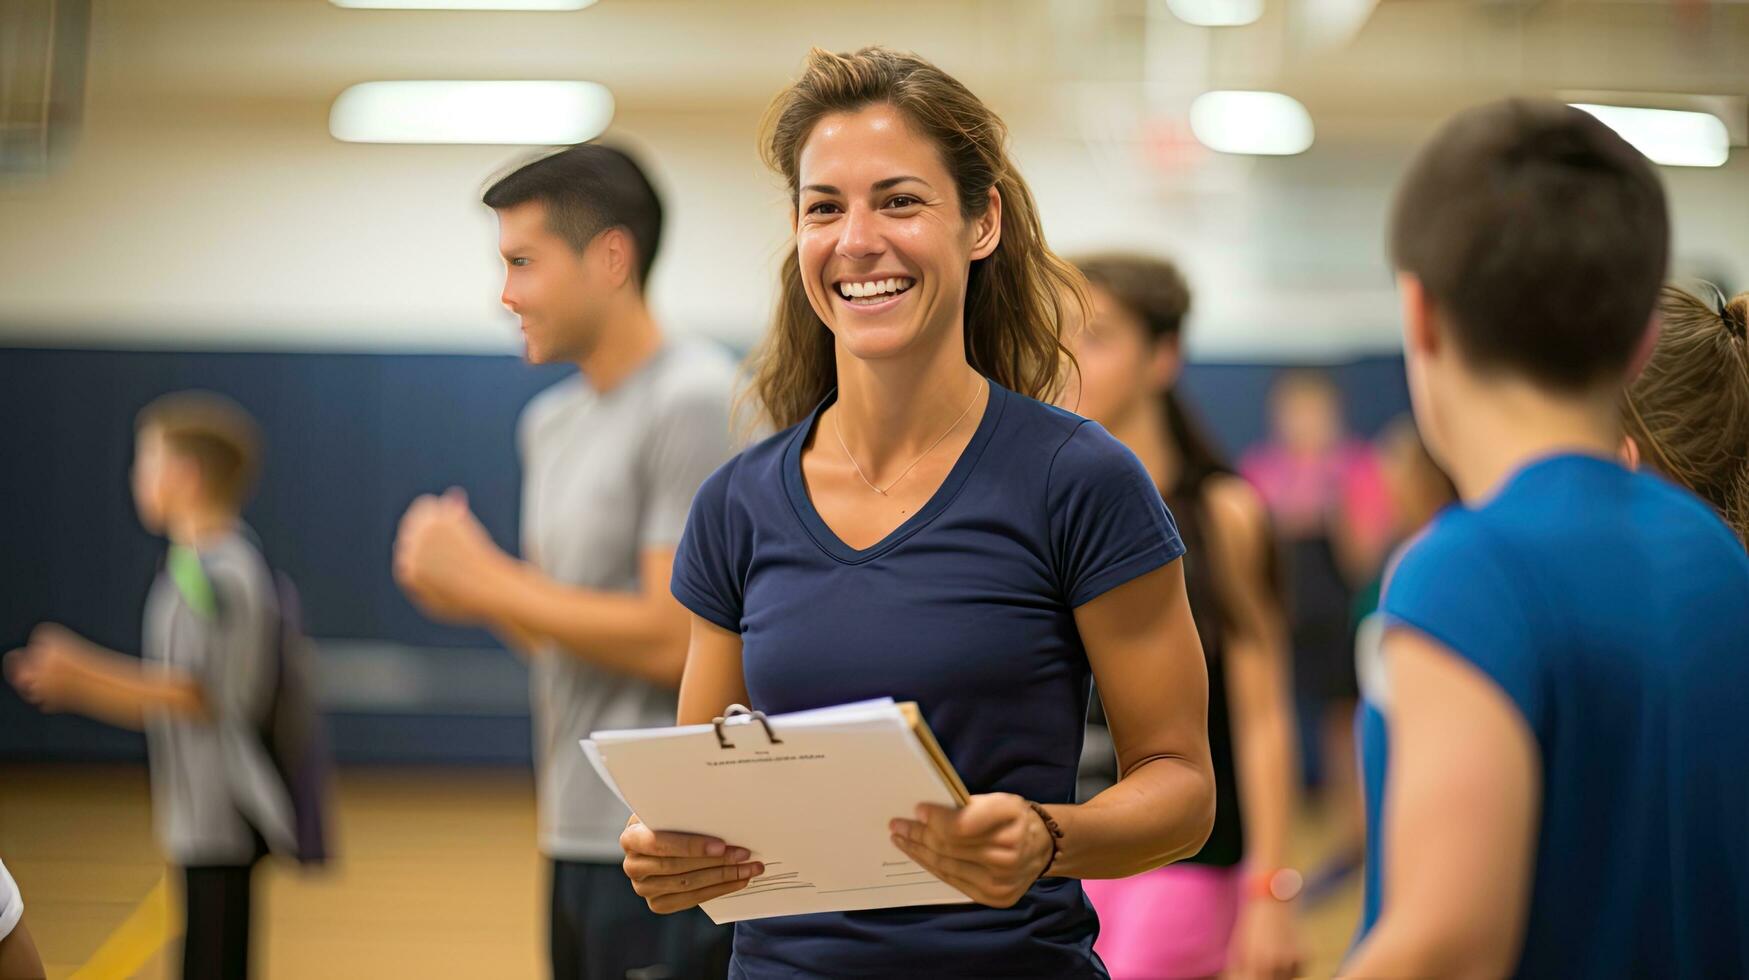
812	802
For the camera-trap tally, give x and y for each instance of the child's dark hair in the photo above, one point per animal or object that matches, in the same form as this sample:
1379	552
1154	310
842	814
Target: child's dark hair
587	189
213	432
1540	235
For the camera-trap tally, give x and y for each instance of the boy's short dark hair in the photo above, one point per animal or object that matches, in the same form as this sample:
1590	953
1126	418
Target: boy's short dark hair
215	433
1540	234
587	189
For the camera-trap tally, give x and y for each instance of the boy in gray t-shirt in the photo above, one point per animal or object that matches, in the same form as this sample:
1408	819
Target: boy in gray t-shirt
206	684
611	459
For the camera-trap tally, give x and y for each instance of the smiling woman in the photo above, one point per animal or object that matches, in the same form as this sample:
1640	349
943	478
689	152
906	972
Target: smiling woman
1015	298
953	541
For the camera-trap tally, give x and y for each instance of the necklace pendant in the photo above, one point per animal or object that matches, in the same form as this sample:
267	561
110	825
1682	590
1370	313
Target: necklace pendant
907	471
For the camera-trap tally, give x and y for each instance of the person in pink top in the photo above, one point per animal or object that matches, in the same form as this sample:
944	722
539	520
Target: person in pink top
1329	505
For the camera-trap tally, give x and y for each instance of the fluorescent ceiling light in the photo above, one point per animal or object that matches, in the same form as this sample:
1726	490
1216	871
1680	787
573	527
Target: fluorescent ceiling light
1253	123
1216	13
465	4
518	113
1671	137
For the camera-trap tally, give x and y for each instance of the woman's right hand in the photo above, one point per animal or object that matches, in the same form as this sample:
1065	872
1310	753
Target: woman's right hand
672	871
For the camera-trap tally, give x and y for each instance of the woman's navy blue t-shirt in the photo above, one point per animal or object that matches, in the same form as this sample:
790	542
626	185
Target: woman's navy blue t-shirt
968	609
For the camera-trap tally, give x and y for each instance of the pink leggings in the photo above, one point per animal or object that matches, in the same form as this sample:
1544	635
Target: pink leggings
1171	922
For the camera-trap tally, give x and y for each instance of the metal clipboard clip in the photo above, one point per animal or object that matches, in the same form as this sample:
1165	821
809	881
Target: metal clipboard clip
735	710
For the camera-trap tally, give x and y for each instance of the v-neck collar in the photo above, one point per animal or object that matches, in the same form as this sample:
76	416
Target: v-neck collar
828	540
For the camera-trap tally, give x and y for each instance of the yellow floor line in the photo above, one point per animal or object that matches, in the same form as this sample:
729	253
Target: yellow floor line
140	936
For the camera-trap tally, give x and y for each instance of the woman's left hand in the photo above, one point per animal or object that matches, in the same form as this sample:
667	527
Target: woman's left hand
993	849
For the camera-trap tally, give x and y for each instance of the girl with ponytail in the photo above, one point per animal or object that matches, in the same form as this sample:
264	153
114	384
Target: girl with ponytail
1229	909
1687	415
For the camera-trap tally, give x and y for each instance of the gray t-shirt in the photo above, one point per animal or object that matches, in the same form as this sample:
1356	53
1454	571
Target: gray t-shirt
212	779
607	476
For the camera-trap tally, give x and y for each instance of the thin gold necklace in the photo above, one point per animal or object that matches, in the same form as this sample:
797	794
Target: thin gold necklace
883	492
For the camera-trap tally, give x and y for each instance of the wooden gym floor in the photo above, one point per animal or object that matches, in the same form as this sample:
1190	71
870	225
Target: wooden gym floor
438	878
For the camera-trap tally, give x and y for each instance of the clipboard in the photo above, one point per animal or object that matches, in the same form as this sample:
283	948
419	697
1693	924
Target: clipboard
809	793
908	710
920	728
